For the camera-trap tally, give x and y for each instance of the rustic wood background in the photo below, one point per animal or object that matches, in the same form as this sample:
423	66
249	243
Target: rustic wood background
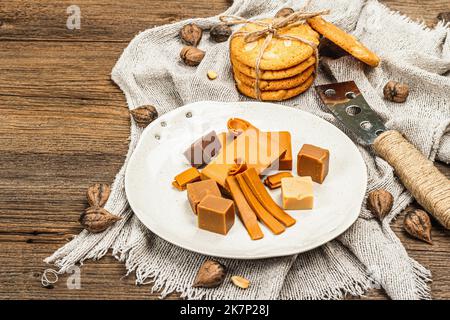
64	125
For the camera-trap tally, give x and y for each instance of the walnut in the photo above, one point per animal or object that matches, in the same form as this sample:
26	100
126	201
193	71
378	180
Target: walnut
97	194
191	34
192	56
211	274
283	13
380	202
220	33
396	91
96	219
417	223
444	16
144	115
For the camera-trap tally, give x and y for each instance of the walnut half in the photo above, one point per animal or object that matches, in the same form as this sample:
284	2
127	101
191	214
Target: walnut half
396	91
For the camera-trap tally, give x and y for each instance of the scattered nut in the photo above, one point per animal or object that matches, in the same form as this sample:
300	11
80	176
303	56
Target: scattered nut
144	115
212	75
192	56
396	91
417	223
240	282
444	16
220	33
211	274
97	194
283	13
96	219
380	202
191	34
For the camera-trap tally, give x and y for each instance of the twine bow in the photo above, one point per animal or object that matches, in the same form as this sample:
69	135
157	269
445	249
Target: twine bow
270	31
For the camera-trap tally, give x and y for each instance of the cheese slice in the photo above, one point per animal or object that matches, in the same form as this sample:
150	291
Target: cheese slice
297	193
252	147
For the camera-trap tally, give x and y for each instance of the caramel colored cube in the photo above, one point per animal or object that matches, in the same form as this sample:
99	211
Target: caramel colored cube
297	193
284	141
313	161
215	214
203	150
198	190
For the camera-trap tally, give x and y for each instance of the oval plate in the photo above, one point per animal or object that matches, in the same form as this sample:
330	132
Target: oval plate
158	157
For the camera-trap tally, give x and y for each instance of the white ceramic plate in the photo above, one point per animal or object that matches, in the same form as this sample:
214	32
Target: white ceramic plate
166	212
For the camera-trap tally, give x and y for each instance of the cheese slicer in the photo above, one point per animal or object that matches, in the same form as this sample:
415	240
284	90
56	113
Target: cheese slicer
424	181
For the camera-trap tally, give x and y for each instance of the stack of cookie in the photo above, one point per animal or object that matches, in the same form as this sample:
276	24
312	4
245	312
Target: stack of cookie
287	67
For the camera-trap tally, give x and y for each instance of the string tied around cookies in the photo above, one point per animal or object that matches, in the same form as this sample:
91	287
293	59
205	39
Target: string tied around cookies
270	31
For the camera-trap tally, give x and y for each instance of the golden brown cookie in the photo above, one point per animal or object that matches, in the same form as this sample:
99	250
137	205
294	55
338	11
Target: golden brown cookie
280	53
274	75
278	95
274	85
344	40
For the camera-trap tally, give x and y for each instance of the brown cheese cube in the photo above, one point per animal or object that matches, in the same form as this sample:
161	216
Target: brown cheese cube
284	140
313	161
187	176
297	193
215	214
198	190
203	150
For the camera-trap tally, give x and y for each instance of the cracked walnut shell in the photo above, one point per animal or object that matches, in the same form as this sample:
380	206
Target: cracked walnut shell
220	33
396	91
211	274
417	223
380	202
97	194
96	219
144	115
191	34
192	56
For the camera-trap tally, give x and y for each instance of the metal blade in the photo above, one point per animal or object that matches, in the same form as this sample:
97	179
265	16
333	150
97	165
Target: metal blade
348	105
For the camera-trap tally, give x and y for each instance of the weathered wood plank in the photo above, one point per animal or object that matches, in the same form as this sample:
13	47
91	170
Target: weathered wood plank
118	21
22	266
419	10
61	70
20	277
112	21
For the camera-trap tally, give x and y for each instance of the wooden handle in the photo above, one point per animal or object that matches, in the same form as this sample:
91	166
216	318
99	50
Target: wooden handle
419	175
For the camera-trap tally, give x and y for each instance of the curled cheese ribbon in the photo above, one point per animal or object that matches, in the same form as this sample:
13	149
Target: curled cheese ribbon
238	167
236	126
270	31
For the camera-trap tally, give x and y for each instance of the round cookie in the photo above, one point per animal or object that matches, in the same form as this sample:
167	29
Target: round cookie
278	95
274	75
274	85
344	40
280	53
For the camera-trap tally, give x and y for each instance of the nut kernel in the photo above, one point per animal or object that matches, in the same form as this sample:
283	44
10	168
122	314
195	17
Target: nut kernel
240	282
212	75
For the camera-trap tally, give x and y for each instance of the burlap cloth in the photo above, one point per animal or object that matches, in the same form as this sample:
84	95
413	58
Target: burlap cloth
368	254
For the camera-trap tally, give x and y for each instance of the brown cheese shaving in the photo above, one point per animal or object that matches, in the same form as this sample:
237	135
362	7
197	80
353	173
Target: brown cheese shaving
274	181
247	215
251	177
273	224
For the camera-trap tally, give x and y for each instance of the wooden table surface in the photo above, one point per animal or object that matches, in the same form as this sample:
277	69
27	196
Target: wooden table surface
64	125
